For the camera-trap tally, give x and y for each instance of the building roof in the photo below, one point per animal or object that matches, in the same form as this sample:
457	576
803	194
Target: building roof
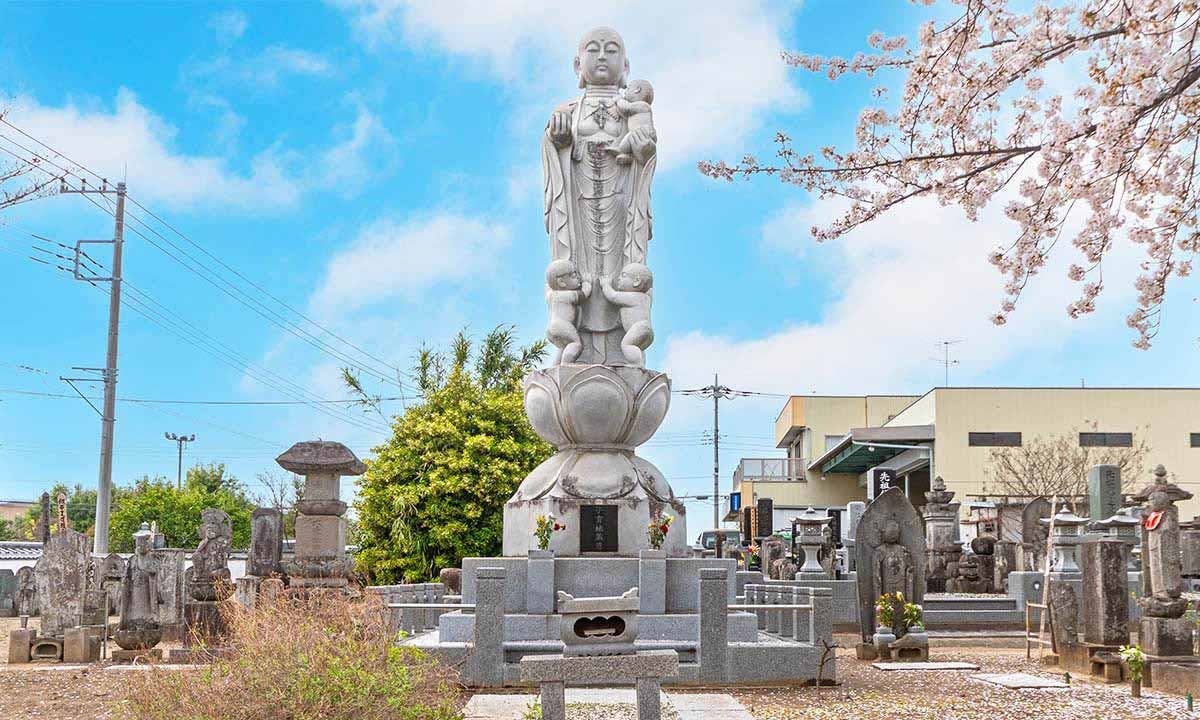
18	550
856	454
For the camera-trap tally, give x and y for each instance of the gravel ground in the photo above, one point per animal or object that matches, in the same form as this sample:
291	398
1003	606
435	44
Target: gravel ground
865	693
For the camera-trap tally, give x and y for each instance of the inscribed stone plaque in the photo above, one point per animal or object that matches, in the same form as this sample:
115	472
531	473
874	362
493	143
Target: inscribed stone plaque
1104	491
747	524
598	528
266	542
766	517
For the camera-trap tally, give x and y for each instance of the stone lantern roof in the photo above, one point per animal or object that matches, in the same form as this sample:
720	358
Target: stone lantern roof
812	517
321	456
1174	492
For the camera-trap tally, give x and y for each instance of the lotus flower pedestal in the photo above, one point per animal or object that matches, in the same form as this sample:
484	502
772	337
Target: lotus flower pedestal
596	415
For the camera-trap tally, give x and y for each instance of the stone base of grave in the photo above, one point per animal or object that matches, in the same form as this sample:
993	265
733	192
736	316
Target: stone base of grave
205	623
1166	636
1085	659
913	647
19	643
866	651
46	649
80	646
153	655
1174	678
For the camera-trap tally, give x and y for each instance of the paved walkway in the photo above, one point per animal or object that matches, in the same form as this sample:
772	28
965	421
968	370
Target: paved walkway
689	706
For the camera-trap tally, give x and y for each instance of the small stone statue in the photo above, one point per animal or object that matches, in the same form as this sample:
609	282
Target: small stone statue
26	591
1163	561
208	578
635	106
565	291
631	291
893	570
139	628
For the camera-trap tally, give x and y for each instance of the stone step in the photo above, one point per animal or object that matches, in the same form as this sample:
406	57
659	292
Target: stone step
973	618
515	650
689	673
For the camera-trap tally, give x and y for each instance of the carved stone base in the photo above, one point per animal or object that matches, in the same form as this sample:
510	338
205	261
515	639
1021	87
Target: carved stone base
632	517
138	635
1166	636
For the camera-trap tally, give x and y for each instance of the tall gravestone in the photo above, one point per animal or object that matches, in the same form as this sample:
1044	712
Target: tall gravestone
1034	534
8	593
890	550
41	531
1105	591
320	554
1104	491
266	542
61	574
598	401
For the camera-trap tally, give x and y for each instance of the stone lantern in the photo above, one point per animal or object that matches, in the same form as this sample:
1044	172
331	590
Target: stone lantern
1124	527
808	531
1068	533
320	528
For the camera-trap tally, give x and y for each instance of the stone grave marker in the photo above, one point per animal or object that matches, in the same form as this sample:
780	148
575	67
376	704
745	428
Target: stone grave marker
1034	534
61	577
8	593
320	557
1104	491
890	550
1105	591
266	542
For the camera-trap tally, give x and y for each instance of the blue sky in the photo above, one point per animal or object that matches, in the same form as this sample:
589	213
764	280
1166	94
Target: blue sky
374	166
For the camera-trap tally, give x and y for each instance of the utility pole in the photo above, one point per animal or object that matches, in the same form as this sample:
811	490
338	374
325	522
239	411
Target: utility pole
108	416
181	440
717	392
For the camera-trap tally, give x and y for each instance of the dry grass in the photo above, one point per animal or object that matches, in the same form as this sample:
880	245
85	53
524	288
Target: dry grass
299	659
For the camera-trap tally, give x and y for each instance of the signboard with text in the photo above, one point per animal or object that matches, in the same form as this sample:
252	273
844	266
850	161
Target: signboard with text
882	480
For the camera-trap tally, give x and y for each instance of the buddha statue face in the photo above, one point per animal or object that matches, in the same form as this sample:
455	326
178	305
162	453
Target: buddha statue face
890	534
601	59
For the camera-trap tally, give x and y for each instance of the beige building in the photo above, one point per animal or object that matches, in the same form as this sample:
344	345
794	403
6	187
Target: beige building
834	444
13	509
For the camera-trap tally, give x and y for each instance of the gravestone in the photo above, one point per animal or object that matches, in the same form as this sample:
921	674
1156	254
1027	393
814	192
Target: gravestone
1034	534
941	535
109	572
890	552
320	557
61	578
766	517
41	531
8	593
1104	491
1105	591
854	511
835	525
172	590
1005	563
747	525
598	528
208	580
266	542
1064	616
139	629
1189	546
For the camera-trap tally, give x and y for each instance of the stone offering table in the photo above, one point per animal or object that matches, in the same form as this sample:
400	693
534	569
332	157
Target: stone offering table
647	669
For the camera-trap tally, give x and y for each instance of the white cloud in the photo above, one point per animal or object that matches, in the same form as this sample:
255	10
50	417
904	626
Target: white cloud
392	258
130	138
918	276
715	66
229	26
262	70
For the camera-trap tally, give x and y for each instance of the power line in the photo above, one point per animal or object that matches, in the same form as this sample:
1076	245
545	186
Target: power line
165	401
278	320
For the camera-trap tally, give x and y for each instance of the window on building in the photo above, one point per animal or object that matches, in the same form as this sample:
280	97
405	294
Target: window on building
994	439
1196	440
1100	439
831	441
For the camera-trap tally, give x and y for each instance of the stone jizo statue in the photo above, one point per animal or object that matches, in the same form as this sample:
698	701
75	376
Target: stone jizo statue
208	578
139	628
1162	561
893	568
598	159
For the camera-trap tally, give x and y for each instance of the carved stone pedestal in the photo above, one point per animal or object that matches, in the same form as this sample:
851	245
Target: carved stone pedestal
1166	636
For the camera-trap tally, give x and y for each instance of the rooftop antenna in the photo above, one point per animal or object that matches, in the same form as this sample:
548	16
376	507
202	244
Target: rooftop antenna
945	360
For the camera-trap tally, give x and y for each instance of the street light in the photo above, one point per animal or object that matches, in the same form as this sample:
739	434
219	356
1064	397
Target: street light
181	440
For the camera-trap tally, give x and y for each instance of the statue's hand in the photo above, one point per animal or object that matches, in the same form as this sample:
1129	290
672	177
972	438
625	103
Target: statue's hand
560	129
643	142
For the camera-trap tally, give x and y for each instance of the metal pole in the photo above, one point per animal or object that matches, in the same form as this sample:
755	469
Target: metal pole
180	440
716	453
108	418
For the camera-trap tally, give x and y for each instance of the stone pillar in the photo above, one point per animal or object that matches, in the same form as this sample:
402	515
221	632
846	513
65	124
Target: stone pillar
1105	592
266	542
714	624
822	614
553	697
942	549
19	642
652	581
1104	491
539	584
320	529
487	657
649	700
1189	546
